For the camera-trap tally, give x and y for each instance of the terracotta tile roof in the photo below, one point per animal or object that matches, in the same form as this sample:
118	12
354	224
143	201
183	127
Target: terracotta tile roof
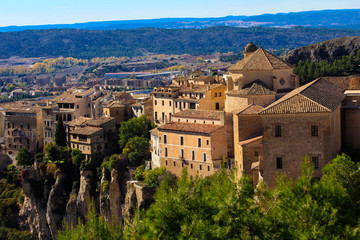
250	140
114	104
260	60
251	109
86	131
255	89
345	82
198	88
99	121
199	114
78	121
319	95
190	127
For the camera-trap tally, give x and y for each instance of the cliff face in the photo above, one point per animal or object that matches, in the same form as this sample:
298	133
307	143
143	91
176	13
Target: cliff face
328	50
46	207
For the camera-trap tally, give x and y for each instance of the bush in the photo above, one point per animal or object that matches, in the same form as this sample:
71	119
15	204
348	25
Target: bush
153	177
139	173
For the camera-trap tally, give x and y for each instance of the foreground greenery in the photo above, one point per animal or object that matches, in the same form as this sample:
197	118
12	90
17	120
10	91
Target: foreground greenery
219	207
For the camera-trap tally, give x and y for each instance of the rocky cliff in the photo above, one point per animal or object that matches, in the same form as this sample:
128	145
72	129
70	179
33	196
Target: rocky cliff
328	50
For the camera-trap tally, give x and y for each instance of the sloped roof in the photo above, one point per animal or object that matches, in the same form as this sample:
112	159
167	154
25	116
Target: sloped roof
255	89
86	131
250	140
190	127
317	96
199	114
251	109
260	60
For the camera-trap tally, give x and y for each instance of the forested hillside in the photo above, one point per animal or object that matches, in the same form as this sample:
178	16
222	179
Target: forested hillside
89	44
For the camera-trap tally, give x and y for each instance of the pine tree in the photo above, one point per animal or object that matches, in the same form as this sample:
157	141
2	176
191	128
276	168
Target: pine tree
60	134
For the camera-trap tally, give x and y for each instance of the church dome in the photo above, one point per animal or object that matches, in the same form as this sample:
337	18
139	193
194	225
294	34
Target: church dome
250	47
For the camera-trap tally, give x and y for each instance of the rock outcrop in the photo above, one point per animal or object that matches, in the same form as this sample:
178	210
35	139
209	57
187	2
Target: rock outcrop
328	50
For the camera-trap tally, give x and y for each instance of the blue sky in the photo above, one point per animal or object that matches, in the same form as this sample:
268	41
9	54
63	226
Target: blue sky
37	12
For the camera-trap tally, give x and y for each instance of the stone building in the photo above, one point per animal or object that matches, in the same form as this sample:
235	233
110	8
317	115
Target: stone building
194	93
305	122
96	138
194	139
23	127
259	78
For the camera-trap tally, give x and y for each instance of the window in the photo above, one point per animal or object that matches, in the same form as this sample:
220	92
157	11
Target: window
278	132
166	162
279	163
163	116
219	94
182	153
181	140
215	94
209	168
199	142
217	106
175	104
155	102
162	103
166	152
207	142
77	106
200	167
174	164
191	166
256	153
165	139
204	157
170	103
314	131
315	161
156	116
192	155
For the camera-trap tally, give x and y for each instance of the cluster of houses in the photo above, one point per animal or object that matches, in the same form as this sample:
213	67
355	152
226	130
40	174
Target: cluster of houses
255	119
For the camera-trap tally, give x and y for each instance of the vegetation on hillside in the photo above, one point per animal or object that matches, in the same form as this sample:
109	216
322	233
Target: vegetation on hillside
218	207
47	66
308	70
90	44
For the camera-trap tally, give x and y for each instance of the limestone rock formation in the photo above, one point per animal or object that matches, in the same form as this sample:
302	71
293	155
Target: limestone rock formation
328	50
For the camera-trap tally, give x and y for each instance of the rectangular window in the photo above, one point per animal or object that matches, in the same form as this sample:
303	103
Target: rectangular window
215	94
314	131
278	132
209	168
219	94
279	163
156	116
155	102
165	139
162	103
191	166
200	167
174	164
315	162
181	140
192	155
217	106
199	142
207	142
166	162
204	157
163	116
166	152
182	153
256	153
170	103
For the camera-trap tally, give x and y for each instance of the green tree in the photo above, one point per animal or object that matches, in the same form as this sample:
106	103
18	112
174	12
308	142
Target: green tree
24	158
60	134
77	157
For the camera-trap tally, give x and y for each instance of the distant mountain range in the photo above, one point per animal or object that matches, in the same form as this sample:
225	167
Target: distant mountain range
134	42
338	19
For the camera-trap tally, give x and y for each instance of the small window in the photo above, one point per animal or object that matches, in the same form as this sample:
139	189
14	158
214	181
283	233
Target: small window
215	94
181	140
156	116
278	132
182	153
176	105
192	155
170	103
315	161
217	106
256	153
219	94
199	142
200	167
165	139
279	163
163	103
174	164
314	131
155	102
204	157
209	168
191	166
166	162
166	152
207	142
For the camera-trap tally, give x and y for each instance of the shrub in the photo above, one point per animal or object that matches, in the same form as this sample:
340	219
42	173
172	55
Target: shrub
139	173
153	177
